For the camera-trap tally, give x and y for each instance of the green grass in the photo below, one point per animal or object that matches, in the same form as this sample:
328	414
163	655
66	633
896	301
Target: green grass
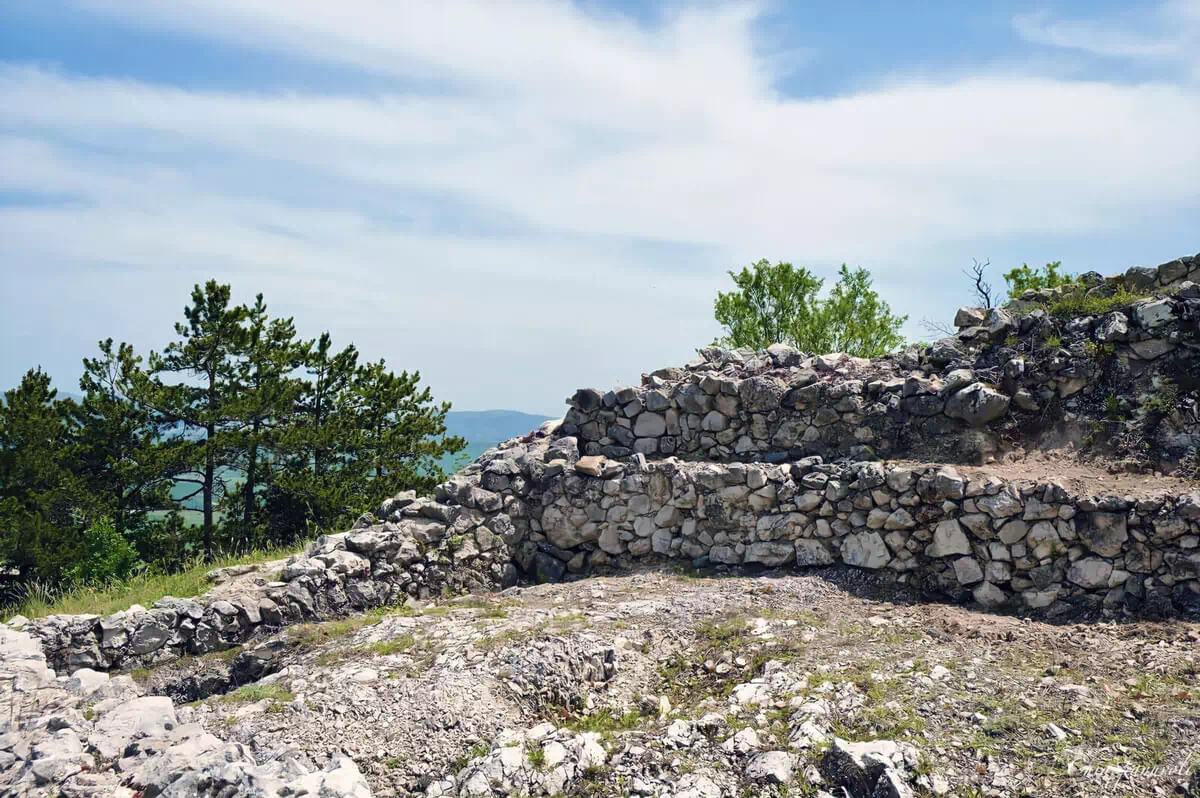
309	635
251	693
397	645
1076	304
605	722
143	589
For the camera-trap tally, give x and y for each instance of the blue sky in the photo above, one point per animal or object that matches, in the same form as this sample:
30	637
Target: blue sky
521	198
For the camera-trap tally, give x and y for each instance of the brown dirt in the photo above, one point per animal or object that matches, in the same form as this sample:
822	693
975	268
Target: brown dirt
1078	477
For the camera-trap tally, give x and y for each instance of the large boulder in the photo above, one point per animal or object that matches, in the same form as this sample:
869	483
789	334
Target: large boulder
948	539
865	550
1104	533
977	404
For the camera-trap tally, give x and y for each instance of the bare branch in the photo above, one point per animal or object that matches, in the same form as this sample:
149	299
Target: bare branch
937	328
983	289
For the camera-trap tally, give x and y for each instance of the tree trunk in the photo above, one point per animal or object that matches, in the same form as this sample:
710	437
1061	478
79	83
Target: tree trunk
210	430
207	490
251	477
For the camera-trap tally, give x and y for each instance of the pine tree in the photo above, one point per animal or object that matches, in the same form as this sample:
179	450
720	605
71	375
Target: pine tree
43	508
201	410
116	451
400	434
263	402
314	481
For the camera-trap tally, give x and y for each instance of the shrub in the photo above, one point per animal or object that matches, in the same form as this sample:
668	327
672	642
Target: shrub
1026	279
781	304
107	556
1112	406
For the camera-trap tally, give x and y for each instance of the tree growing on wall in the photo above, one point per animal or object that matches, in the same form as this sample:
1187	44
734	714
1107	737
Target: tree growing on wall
1023	278
782	304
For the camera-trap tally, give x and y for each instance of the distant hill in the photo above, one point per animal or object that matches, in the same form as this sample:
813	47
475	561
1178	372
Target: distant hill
491	426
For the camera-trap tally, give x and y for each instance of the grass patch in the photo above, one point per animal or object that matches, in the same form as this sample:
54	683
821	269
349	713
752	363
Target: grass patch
508	637
310	635
397	645
724	632
253	693
605	722
562	622
476	751
40	601
1075	304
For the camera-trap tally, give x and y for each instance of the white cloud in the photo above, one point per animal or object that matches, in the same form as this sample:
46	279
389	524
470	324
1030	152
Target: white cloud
1166	34
583	135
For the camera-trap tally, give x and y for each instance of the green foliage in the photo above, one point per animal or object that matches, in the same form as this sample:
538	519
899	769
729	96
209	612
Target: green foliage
781	304
105	556
1076	303
43	506
1112	406
41	598
196	401
1052	342
1163	401
1025	279
89	489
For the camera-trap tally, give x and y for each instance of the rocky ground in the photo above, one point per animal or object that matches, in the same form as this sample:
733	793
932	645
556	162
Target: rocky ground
658	683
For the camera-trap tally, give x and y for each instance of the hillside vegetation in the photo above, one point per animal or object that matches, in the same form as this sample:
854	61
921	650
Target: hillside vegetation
270	437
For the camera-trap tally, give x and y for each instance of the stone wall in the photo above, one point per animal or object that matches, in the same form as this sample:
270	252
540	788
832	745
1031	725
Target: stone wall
1023	545
1007	380
551	512
726	462
410	547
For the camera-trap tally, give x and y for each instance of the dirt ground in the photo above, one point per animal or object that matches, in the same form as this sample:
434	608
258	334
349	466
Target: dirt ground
997	705
1080	477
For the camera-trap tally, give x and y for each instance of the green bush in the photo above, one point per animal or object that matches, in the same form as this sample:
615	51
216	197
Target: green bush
782	304
106	557
1026	279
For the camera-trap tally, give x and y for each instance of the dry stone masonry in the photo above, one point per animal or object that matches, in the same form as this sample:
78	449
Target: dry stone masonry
771	459
1012	377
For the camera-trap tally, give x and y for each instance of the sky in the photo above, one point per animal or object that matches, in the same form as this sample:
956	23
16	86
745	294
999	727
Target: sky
521	198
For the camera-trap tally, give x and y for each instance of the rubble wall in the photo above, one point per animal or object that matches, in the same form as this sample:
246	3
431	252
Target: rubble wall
1010	378
1022	545
549	513
726	462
